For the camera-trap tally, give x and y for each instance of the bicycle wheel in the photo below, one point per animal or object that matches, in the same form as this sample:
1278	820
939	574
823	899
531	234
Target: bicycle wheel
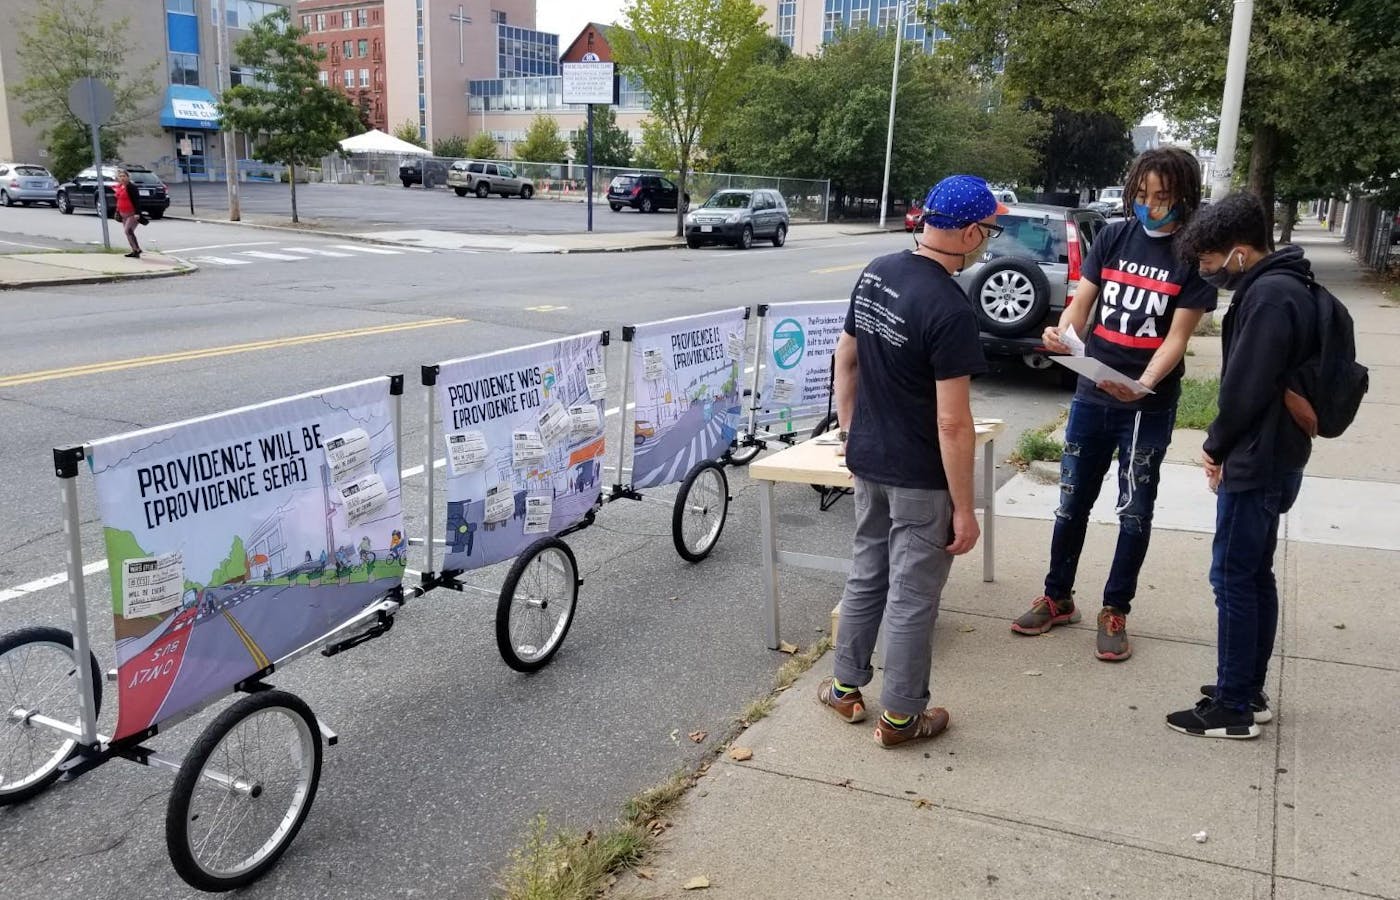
701	507
243	791
38	674
743	454
537	604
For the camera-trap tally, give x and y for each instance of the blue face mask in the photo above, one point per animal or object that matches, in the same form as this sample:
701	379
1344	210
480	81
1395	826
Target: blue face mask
1144	215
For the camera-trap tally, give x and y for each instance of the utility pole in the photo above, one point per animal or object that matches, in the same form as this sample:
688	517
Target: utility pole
889	134
1230	103
230	153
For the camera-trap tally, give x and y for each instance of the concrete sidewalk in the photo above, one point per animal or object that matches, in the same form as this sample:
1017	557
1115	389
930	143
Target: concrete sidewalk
26	270
1058	777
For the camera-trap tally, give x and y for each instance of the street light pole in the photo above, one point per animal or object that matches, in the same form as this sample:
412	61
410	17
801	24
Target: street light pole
1230	103
889	133
230	153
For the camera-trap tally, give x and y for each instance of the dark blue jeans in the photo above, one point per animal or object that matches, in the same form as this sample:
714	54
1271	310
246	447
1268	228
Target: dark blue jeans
1093	434
1246	594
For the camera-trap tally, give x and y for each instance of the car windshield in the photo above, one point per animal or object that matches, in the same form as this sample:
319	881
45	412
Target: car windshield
728	200
1111	194
1041	238
32	171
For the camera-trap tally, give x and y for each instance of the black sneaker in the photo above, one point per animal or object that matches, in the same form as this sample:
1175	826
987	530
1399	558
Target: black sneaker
1210	719
1259	706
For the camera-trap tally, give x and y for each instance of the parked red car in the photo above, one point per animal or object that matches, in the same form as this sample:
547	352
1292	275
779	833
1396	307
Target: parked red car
914	218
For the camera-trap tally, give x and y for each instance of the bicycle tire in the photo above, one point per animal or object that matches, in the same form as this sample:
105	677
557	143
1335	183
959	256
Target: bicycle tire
13	692
743	454
526	656
711	480
181	814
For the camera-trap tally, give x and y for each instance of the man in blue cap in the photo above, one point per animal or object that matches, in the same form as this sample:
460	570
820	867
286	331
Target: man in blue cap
903	403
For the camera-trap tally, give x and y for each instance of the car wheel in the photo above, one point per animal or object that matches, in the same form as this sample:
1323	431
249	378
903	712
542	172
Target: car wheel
527	192
647	206
1012	297
156	214
407	183
746	238
483	190
692	243
461	191
780	236
6	199
615	207
65	206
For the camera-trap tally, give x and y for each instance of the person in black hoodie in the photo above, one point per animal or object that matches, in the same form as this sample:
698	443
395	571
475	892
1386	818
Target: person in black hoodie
1254	452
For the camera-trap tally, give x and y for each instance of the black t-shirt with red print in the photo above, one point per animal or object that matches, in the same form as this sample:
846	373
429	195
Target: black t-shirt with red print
1142	283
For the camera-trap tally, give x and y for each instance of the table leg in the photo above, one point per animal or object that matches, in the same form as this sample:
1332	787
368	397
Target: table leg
770	564
989	515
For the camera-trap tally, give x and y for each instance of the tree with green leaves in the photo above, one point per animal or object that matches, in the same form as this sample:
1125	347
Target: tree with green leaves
611	145
482	146
1081	150
60	41
408	131
296	120
694	57
453	146
542	142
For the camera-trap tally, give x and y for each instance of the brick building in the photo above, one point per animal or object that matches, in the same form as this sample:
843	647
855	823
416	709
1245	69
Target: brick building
350	34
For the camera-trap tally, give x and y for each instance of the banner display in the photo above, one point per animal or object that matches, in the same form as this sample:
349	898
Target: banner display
234	539
685	382
524	440
799	340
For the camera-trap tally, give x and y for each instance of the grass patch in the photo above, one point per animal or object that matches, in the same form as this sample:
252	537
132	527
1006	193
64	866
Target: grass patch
561	864
1209	326
1197	408
1037	444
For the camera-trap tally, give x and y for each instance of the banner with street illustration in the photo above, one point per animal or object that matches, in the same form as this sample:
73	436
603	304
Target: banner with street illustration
523	431
685	382
235	539
799	340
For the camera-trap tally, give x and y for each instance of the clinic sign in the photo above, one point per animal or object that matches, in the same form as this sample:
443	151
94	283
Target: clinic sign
196	111
590	83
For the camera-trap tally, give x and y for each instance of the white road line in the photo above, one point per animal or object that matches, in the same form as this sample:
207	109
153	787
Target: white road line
360	248
264	254
22	244
223	261
315	252
220	246
51	581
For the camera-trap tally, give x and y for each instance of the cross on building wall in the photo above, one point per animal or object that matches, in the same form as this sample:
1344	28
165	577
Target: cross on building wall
462	20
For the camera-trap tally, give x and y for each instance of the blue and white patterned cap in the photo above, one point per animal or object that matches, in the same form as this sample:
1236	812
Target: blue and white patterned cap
959	200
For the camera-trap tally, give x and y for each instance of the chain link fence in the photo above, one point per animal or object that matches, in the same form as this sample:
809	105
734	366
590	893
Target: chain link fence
807	199
1370	232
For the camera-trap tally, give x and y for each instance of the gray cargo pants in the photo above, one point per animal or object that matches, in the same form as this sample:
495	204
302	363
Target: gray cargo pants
899	565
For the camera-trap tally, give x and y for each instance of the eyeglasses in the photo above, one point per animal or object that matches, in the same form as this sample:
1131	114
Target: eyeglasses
991	231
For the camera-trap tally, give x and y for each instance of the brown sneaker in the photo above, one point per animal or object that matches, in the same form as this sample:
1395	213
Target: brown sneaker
929	724
1113	643
1045	614
850	707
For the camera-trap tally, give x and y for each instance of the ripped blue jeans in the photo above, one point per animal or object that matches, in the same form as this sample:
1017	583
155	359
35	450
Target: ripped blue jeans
1094	432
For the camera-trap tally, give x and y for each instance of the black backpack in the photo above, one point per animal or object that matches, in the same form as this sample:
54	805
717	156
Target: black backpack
1333	381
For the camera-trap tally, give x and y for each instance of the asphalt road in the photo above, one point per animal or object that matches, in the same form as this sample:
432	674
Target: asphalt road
445	755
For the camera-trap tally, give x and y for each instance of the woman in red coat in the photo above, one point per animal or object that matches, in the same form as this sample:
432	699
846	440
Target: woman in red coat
126	208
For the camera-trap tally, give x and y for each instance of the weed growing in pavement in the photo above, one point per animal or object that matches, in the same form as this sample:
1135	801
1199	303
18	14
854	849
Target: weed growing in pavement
1197	407
1037	444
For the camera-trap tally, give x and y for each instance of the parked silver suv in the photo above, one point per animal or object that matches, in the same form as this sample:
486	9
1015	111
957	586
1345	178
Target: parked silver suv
486	178
737	217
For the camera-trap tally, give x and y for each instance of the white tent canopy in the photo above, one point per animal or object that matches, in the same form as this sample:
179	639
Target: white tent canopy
376	141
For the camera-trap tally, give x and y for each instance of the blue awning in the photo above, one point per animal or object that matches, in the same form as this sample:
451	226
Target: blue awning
189	107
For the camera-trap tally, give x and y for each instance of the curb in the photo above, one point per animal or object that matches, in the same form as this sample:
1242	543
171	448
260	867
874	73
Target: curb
189	269
341	235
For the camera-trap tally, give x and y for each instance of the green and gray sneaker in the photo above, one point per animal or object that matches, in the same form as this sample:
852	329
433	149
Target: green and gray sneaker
1045	614
1113	643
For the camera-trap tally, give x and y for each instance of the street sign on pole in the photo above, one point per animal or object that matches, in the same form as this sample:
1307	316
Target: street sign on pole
92	102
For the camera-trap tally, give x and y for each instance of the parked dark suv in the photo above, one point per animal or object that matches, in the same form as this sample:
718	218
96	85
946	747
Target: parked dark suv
426	172
644	193
152	198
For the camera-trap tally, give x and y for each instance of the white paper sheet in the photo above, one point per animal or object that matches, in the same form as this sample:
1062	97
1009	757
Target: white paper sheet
1098	373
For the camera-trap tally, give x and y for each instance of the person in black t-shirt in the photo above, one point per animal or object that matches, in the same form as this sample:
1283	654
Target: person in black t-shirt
1149	303
903	370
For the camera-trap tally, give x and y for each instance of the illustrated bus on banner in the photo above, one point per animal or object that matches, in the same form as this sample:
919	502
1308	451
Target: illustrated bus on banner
793	376
523	430
685	383
235	539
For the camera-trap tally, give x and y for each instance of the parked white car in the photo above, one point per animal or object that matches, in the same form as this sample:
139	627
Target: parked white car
26	183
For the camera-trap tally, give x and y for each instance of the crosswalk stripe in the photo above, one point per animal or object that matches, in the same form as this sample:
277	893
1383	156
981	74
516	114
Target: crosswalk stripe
361	248
315	251
264	254
222	261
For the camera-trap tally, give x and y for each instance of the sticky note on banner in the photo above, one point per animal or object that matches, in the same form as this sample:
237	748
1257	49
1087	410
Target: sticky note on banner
783	389
347	453
555	424
500	503
586	421
467	450
654	363
736	346
537	514
152	585
364	498
526	449
596	378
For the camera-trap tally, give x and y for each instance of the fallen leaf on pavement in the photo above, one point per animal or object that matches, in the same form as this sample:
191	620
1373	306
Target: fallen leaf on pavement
921	803
785	647
1340	626
698	883
699	736
967	629
646	874
741	754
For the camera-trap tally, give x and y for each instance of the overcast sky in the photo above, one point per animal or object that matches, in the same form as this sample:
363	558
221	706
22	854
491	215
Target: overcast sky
566	18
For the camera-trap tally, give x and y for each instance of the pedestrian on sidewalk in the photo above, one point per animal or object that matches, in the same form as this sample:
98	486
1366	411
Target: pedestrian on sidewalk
126	209
1254	452
1149	303
903	372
